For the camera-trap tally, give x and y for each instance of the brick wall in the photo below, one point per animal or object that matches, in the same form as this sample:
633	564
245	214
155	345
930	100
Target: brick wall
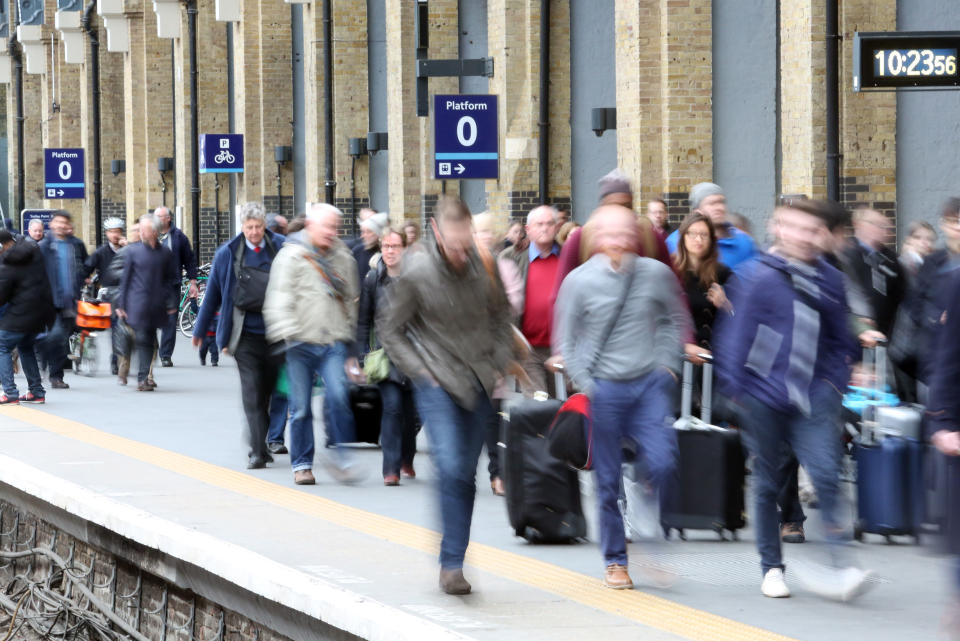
868	121
159	611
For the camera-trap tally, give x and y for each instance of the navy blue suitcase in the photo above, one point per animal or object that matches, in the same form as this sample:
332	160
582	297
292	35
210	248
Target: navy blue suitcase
890	488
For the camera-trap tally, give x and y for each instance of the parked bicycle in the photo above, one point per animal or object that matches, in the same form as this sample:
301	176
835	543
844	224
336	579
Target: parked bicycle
190	307
93	316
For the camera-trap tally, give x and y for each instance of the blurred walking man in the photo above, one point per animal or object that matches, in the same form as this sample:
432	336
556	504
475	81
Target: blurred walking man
447	328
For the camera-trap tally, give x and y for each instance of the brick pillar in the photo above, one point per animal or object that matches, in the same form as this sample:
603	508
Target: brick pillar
314	112
63	84
214	118
513	36
34	112
559	169
639	96
802	107
249	96
402	121
275	98
687	82
868	121
664	89
351	114
112	130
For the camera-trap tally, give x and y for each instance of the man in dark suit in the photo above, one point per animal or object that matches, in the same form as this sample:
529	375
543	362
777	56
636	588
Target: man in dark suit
147	295
876	284
171	237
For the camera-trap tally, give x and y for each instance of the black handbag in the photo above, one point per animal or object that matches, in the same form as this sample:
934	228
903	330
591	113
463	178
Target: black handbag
251	289
366	404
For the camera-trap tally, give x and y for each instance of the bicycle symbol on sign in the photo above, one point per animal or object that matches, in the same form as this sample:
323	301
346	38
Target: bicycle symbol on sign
224	157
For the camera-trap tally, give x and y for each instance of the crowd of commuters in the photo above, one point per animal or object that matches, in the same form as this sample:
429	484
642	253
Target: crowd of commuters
442	326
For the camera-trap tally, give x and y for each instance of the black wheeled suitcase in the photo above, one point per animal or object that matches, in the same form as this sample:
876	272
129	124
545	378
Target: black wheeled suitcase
707	491
367	408
542	492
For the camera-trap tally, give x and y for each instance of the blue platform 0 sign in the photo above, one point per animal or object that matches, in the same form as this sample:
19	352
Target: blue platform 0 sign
63	173
221	153
465	135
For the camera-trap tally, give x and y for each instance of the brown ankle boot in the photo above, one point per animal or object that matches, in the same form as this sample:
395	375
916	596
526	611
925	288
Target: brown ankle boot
452	582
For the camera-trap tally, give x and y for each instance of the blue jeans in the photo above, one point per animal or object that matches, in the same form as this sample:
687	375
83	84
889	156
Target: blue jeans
279	410
815	440
23	342
638	410
304	361
456	439
398	427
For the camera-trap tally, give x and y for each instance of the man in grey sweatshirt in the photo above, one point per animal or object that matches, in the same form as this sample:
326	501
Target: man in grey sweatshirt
621	322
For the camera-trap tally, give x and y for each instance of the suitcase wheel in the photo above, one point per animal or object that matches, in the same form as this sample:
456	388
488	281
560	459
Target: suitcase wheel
683	535
720	534
666	533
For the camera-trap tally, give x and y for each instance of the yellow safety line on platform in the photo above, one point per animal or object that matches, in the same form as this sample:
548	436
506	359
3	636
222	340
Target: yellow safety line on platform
649	610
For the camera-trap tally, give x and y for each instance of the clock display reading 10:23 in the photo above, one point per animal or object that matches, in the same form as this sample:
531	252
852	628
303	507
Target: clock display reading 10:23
898	63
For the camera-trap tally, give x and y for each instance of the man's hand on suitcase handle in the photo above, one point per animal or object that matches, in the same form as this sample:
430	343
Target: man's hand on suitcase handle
696	354
872	338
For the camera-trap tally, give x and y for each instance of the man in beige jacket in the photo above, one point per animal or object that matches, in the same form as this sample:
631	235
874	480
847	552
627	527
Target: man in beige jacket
311	307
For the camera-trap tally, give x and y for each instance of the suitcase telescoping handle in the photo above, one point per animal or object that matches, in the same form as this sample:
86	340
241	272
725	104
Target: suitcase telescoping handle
877	357
686	393
560	383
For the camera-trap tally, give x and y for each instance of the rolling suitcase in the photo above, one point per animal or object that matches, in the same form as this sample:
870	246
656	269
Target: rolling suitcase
707	492
542	492
891	492
367	408
890	488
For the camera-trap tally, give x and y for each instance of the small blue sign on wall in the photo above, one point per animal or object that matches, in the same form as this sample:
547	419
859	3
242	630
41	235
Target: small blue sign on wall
63	173
43	215
221	153
465	137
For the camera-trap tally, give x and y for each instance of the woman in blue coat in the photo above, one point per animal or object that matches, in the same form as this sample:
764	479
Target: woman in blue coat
147	294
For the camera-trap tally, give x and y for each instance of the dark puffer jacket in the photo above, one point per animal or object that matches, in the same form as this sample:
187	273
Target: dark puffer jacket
25	290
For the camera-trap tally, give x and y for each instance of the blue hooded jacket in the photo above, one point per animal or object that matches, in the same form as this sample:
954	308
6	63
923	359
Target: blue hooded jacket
754	345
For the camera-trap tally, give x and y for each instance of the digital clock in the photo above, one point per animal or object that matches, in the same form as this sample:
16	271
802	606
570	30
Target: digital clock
906	60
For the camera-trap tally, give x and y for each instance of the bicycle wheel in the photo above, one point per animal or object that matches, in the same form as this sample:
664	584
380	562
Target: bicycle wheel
187	318
87	364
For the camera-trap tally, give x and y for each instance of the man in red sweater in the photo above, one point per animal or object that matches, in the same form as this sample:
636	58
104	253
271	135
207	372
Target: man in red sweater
528	276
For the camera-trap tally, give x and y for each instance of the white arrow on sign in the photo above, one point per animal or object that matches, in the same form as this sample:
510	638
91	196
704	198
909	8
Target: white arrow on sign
460	168
60	192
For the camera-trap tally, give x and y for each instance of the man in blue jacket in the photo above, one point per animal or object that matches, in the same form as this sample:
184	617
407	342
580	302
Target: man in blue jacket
786	357
176	241
240	328
64	256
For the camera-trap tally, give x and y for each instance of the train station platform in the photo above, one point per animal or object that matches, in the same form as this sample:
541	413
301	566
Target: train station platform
166	471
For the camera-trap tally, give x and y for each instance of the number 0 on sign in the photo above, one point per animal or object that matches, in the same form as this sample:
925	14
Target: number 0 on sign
465	137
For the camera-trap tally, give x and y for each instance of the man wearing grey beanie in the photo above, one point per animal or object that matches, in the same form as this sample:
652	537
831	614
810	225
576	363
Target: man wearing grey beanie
735	246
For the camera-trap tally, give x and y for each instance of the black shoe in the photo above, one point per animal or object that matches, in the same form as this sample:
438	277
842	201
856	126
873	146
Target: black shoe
277	448
57	383
114	369
214	363
203	362
256	463
166	362
268	458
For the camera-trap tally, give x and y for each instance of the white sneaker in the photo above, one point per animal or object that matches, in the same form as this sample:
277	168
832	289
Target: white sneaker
837	585
773	584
